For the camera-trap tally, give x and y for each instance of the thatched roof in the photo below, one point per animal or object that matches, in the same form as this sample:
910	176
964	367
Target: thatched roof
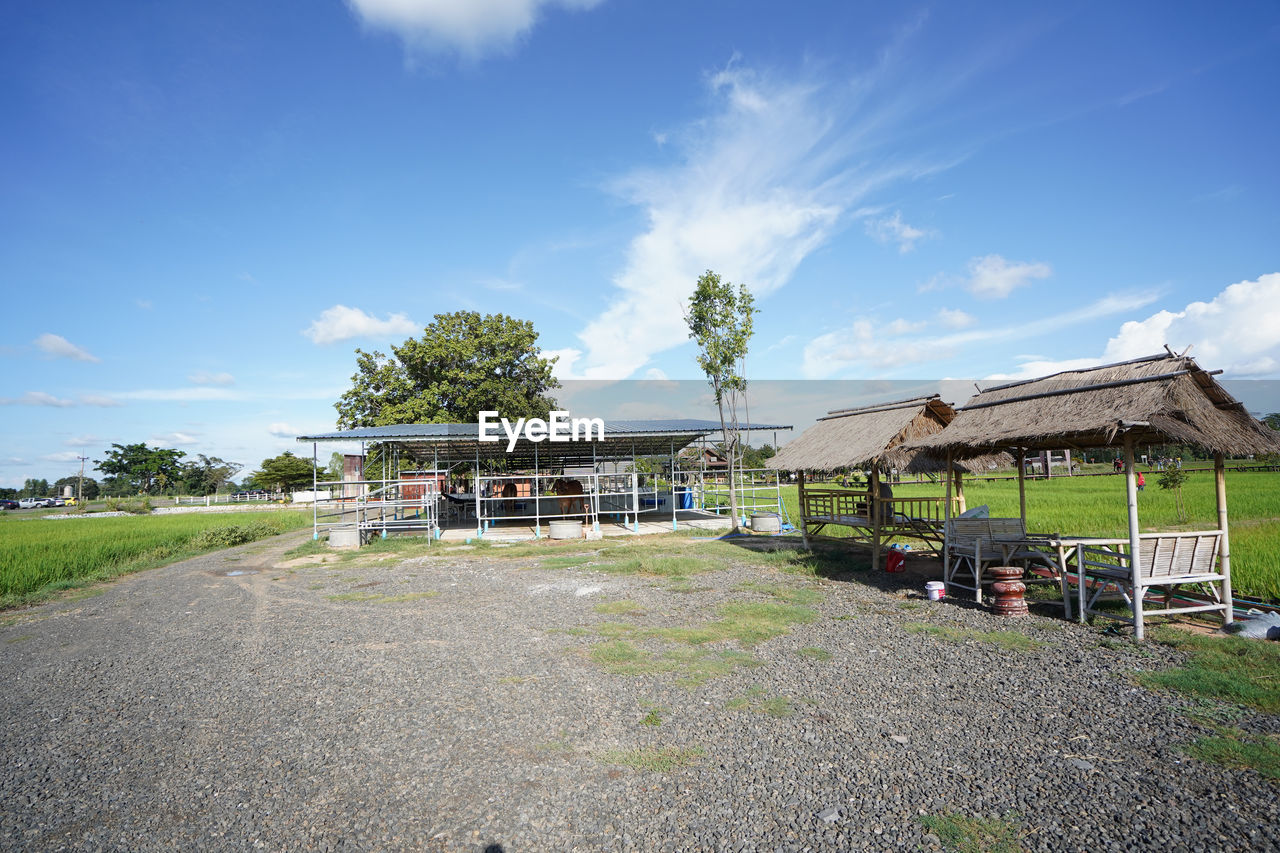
1162	399
870	435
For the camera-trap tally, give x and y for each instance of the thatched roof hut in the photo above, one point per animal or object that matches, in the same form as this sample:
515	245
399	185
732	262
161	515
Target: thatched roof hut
871	436
1160	399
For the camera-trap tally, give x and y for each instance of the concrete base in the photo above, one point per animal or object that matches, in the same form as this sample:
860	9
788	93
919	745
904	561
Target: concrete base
565	529
766	522
348	538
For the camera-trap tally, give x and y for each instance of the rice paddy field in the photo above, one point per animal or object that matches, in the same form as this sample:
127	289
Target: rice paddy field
42	556
1095	506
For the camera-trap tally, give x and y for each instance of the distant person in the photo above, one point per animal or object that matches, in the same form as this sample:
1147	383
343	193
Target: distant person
1142	481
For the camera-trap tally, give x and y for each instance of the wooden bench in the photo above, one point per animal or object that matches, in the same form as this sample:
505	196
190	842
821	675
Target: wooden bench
1165	561
975	544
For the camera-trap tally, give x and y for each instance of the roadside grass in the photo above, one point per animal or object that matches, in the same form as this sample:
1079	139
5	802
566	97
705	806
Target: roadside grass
814	653
690	666
1011	640
380	598
654	759
975	834
41	558
790	594
1226	669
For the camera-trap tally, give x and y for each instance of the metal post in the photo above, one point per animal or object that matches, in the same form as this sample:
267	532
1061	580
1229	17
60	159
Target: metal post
475	486
674	524
533	493
315	503
595	475
1224	551
635	494
1131	495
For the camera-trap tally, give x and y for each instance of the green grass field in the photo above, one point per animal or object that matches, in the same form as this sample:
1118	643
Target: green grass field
40	557
1095	506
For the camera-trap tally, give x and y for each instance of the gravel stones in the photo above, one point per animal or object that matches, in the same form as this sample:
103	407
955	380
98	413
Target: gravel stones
184	708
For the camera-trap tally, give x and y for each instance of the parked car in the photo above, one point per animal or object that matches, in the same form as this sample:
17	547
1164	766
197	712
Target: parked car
31	503
5	503
54	502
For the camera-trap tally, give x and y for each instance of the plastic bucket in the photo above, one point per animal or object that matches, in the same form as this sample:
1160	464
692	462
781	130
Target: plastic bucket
936	590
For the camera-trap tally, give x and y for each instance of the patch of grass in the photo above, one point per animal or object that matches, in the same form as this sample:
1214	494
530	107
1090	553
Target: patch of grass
379	598
1011	640
814	653
1234	748
975	834
514	679
618	607
19	639
615	630
686	587
757	701
1227	669
566	562
691	666
654	759
652	718
791	594
309	548
560	745
659	565
316	586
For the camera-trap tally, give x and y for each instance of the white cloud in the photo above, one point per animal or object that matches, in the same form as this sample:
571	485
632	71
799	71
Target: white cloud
180	395
869	345
753	190
100	400
1238	331
470	27
341	323
83	441
893	230
202	378
56	346
61	456
655	373
174	439
566	359
37	398
954	318
283	430
993	277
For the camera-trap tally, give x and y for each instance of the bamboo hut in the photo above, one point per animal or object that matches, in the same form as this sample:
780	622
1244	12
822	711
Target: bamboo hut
872	438
1160	399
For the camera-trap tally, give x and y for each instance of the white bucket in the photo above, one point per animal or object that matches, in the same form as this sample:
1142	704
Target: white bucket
936	590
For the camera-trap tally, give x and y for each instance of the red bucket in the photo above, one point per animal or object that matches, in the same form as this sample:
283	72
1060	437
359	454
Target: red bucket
895	561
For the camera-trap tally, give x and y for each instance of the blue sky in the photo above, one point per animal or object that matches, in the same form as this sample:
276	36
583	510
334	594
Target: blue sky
206	208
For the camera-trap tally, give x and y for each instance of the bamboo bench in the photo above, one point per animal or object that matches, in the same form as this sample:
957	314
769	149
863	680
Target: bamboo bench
975	544
1165	561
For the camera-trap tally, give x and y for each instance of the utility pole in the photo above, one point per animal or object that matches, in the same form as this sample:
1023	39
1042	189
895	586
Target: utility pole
80	481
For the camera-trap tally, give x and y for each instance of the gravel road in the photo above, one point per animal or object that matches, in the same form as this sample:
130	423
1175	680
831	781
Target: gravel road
450	703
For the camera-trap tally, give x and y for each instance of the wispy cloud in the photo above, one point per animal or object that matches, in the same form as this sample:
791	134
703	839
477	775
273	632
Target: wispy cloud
471	28
893	230
993	277
751	190
174	439
866	344
283	430
37	398
203	378
61	456
179	395
954	318
83	441
341	323
56	346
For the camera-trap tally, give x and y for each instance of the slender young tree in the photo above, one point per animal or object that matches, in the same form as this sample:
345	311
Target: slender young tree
720	321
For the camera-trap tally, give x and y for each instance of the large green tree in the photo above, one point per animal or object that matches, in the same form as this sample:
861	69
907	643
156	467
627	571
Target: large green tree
138	469
204	475
463	363
720	320
284	473
88	487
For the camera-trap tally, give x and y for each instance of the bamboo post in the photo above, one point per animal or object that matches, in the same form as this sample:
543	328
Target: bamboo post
1224	551
1022	485
946	528
804	526
960	504
873	503
1131	496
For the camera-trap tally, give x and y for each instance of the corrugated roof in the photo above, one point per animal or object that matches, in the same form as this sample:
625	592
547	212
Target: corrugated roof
622	439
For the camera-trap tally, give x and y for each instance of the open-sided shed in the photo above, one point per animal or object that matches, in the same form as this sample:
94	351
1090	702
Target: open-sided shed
1160	399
